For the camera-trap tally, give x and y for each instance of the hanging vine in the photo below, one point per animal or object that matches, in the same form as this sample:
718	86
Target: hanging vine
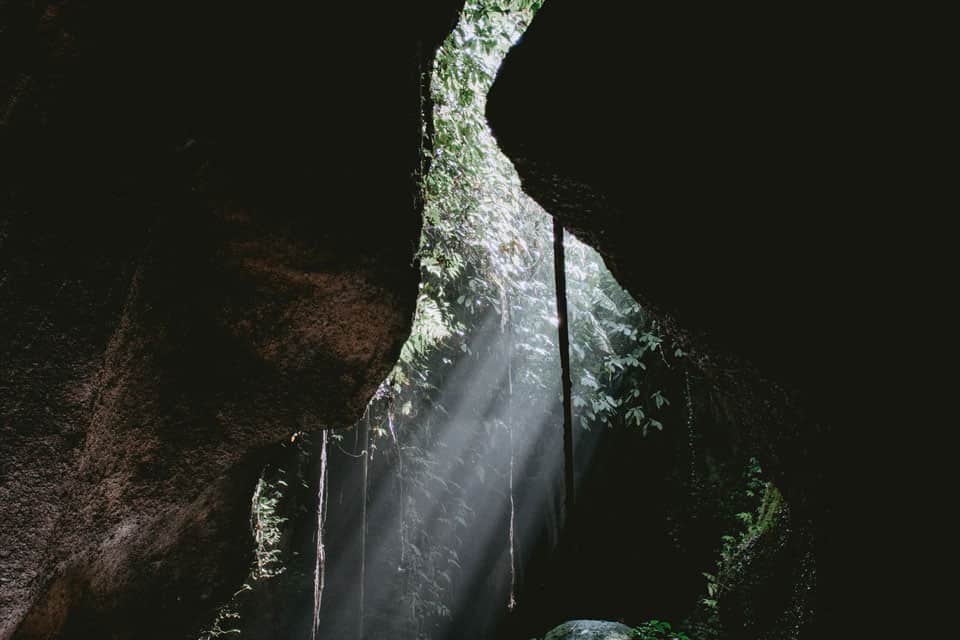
319	575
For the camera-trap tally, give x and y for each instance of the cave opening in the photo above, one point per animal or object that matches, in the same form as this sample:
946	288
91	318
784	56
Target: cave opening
221	224
441	513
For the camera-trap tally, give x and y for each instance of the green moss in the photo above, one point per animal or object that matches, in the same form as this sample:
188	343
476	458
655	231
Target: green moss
658	630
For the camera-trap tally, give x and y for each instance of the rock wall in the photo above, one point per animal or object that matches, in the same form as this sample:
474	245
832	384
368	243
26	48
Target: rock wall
207	232
706	154
726	163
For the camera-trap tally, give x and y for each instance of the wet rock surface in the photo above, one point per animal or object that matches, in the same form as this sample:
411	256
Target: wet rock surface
193	266
728	170
590	630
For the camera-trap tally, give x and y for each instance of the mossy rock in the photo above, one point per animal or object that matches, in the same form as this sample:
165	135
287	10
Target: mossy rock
591	630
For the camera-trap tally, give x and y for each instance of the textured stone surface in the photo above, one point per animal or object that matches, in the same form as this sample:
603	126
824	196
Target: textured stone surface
209	214
693	165
727	164
706	154
590	630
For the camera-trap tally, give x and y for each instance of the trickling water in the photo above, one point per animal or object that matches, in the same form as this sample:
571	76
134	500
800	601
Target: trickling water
690	431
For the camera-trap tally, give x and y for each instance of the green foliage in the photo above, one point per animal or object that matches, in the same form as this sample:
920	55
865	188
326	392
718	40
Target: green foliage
486	257
765	502
266	526
266	523
615	348
473	257
470	249
658	630
486	247
225	624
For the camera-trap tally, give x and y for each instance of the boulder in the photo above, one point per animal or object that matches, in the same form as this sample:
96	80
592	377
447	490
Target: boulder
591	630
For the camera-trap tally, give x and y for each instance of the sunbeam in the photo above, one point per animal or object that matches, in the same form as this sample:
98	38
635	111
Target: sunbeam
447	513
483	472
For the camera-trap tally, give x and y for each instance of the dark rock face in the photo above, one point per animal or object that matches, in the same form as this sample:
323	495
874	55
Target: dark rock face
759	602
206	243
724	162
707	156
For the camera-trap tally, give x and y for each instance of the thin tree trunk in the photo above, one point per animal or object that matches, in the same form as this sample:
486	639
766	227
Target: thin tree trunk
564	345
